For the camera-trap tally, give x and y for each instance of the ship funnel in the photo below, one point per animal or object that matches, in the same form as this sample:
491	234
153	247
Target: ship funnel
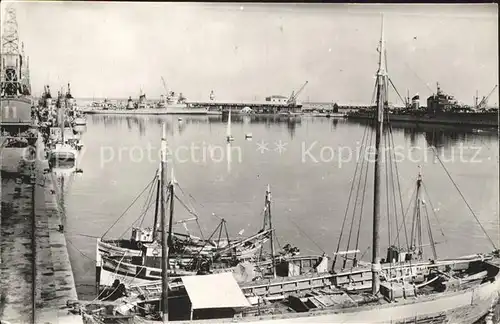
415	101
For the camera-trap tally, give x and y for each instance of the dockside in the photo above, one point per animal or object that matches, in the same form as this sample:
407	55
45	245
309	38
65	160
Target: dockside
35	261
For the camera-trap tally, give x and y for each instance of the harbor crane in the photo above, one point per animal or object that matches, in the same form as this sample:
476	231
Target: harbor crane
164	85
293	97
482	104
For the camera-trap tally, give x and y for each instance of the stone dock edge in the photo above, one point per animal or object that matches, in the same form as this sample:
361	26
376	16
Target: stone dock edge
55	283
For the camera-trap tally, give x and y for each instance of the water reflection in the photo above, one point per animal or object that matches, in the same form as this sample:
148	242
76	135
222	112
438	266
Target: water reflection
139	123
440	136
229	157
313	194
181	126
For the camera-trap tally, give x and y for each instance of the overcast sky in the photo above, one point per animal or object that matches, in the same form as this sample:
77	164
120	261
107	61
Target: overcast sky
243	51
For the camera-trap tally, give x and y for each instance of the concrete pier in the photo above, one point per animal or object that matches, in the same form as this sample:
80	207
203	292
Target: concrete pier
36	278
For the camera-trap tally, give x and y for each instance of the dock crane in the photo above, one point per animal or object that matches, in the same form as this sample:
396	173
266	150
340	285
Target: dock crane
482	104
165	98
164	85
293	97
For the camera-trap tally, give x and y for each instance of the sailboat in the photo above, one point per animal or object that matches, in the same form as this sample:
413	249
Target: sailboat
229	137
403	288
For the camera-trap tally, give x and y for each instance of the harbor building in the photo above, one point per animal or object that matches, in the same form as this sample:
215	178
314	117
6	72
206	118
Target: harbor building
277	99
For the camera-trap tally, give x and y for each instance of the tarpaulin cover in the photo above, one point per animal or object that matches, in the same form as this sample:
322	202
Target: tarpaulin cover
214	291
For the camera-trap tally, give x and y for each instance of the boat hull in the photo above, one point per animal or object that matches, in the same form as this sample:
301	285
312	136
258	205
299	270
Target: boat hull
14	159
16	111
465	119
109	269
458	307
131	274
80	122
464	306
62	156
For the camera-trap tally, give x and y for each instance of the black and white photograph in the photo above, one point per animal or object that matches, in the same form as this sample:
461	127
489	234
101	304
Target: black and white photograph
249	162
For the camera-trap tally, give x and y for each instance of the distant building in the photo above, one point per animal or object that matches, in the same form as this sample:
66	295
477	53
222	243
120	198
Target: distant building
277	99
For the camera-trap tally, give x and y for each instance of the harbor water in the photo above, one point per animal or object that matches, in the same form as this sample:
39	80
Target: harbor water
309	164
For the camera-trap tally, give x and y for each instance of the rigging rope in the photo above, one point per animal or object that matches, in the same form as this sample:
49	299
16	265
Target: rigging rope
431	238
133	202
433	209
114	276
393	186
189	195
194	213
79	251
394	87
303	233
348	203
387	165
147	203
185	206
466	203
362	201
363	165
132	225
404	217
398	181
86	235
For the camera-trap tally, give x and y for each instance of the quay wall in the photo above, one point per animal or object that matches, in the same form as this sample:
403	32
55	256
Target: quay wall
36	278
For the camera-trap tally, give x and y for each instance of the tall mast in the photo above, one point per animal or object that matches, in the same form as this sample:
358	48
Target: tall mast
157	205
61	109
164	247
381	99
171	217
228	130
268	207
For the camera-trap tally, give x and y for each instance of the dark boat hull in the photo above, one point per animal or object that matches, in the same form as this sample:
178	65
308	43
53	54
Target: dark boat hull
489	119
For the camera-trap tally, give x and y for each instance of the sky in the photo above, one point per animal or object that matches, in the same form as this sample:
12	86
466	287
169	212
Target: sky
249	51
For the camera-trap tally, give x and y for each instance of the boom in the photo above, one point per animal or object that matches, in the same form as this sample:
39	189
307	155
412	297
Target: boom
484	101
164	85
293	96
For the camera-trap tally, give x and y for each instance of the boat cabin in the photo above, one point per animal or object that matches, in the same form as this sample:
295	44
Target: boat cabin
142	234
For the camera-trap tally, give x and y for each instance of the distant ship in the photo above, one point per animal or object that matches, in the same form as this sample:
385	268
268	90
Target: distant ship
169	104
441	108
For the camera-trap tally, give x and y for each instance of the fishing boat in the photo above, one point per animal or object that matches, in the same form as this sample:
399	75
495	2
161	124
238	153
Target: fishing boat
401	288
80	120
137	259
183	243
78	116
63	149
229	137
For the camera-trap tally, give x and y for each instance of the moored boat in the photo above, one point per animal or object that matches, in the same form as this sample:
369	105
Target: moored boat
401	288
63	145
138	259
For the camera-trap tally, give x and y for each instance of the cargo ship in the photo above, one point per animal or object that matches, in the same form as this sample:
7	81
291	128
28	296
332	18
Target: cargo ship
441	109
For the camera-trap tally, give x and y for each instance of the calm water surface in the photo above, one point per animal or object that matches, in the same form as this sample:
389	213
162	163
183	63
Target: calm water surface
310	190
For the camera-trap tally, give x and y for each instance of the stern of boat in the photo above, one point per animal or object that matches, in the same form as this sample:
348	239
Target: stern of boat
98	266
